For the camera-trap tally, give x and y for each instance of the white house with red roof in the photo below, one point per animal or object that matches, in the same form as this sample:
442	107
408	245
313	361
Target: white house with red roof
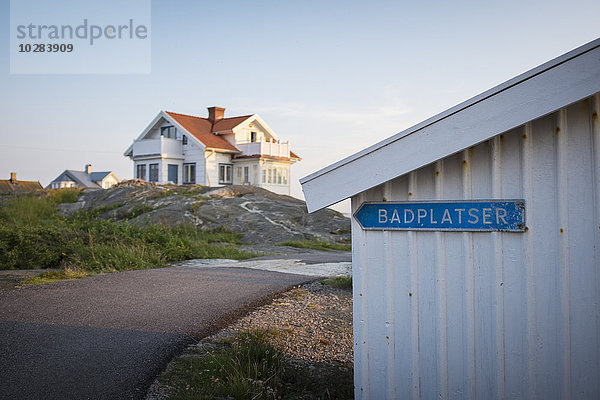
215	151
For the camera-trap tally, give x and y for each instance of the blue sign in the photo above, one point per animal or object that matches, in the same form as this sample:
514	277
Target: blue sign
459	215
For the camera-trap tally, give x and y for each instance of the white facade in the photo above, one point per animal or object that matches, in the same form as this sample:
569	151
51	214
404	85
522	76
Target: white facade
62	185
479	315
109	181
253	155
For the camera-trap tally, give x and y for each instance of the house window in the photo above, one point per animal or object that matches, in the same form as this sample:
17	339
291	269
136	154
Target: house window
184	139
225	174
270	180
264	174
153	173
285	175
246	177
168	131
189	173
279	176
255	174
173	173
141	171
252	137
238	173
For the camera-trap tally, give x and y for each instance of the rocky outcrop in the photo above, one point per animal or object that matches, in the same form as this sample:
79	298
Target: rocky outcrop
259	215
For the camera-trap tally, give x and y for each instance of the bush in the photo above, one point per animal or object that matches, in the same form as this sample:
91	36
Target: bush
33	235
66	195
28	209
29	247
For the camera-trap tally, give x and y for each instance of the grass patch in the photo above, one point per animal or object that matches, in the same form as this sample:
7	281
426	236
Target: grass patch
139	210
33	235
65	195
250	367
317	245
94	213
247	368
164	193
54	276
341	282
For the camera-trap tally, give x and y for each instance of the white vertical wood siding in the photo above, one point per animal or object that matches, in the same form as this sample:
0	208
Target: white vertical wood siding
193	153
463	315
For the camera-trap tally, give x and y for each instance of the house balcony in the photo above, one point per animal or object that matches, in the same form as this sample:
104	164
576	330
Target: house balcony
275	149
163	147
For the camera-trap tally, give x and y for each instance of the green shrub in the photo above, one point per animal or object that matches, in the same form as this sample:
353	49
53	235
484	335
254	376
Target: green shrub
33	235
30	247
28	210
66	195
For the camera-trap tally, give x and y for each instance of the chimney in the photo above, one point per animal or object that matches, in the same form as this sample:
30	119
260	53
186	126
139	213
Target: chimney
88	168
215	114
13	177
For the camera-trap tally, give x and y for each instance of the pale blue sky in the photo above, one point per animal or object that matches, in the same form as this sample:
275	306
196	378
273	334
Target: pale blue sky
331	76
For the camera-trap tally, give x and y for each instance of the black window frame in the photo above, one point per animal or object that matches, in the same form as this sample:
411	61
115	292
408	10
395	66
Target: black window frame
150	172
192	173
142	168
171	131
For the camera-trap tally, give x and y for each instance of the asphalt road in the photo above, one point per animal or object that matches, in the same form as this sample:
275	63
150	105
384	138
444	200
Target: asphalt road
108	336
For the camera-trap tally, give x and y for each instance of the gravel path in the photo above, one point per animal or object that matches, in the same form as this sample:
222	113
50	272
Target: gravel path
314	322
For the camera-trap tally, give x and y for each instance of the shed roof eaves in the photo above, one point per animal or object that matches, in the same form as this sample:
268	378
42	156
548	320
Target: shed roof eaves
544	89
459	107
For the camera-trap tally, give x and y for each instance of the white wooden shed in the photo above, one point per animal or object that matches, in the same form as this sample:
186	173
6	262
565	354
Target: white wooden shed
482	315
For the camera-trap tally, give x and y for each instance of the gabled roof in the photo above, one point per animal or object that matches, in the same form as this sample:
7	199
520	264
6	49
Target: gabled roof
98	176
202	129
565	80
8	186
81	178
227	124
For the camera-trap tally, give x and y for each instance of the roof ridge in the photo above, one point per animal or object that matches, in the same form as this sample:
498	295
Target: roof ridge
194	116
185	115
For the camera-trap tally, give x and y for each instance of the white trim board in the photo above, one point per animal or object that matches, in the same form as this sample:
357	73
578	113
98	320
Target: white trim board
567	79
163	114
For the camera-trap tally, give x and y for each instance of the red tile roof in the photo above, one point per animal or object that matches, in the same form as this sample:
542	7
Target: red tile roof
227	124
203	129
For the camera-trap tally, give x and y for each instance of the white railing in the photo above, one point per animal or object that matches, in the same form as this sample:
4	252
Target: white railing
277	149
170	147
